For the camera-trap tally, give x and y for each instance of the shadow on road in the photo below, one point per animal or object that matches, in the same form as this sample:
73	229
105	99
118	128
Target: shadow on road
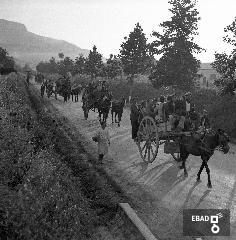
189	195
231	197
205	194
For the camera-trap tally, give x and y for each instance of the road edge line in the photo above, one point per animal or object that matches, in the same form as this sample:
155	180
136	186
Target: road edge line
137	222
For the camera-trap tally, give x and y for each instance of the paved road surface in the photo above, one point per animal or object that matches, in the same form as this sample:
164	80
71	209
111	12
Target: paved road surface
159	190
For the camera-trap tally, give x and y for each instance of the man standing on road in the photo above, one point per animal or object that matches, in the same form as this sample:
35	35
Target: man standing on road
102	137
134	117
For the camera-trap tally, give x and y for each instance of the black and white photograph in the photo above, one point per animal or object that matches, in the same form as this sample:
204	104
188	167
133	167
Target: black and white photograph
117	120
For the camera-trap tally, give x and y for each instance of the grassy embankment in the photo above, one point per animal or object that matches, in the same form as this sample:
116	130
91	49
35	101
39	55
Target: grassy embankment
47	189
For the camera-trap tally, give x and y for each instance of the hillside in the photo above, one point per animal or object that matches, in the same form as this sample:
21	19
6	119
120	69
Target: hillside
31	48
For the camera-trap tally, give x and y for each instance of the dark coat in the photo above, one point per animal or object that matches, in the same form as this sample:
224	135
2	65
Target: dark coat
134	114
169	108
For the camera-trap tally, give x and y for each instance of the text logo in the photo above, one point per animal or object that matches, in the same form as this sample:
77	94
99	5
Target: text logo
206	222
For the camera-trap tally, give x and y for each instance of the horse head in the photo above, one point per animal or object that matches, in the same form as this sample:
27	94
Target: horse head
223	141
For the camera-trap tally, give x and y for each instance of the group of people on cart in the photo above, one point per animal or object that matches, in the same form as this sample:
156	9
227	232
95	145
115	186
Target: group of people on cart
179	112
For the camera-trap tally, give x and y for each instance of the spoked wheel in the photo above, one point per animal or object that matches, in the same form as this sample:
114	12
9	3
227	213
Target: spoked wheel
148	139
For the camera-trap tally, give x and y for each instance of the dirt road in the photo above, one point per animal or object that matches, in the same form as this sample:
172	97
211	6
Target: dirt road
158	191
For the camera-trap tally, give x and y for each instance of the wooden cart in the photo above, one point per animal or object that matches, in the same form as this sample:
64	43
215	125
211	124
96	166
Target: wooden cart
152	133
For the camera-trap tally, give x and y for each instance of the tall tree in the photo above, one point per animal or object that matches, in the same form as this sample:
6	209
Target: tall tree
113	66
61	55
79	66
175	44
134	54
225	64
94	63
66	65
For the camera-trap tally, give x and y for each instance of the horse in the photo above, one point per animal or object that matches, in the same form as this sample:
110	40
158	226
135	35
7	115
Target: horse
203	147
117	108
63	88
50	89
103	107
75	91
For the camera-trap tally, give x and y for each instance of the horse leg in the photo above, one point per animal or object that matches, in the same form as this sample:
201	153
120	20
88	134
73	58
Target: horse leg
183	166
200	171
184	156
119	119
208	175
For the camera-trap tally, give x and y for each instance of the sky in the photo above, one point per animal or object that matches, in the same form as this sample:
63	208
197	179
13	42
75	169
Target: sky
105	23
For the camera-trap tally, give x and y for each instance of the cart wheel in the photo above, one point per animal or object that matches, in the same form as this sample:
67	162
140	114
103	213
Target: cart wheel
148	139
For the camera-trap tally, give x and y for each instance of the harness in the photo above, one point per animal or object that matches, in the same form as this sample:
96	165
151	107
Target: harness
203	145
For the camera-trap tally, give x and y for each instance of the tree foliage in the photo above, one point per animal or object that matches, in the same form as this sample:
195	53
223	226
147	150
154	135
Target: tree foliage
175	44
91	65
79	66
113	67
5	60
134	52
225	64
94	63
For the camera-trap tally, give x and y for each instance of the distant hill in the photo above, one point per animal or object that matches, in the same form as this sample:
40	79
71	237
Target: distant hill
31	48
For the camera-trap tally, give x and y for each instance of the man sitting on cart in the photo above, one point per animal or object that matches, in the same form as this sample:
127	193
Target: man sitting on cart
159	109
169	110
